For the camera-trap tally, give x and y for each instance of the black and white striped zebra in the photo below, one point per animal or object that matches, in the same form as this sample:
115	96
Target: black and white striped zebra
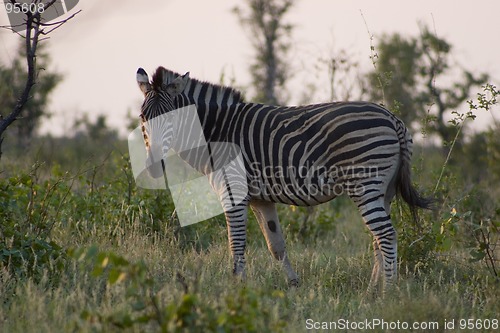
299	155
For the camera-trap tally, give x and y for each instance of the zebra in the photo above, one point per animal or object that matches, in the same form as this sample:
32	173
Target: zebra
295	155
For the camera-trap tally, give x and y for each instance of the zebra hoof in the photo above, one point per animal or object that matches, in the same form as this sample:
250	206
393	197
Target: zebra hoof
295	283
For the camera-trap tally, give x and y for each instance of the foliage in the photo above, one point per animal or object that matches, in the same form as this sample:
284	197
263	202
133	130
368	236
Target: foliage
28	214
466	208
406	79
237	313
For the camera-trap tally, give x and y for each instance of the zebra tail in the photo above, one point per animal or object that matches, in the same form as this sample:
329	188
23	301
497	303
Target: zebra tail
404	184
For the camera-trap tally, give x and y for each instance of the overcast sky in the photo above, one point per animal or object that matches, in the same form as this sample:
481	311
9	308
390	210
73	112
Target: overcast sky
99	51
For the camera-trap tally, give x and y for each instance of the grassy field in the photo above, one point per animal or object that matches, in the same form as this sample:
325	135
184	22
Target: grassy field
84	250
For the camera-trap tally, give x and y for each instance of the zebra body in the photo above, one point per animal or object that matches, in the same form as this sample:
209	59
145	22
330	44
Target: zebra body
300	155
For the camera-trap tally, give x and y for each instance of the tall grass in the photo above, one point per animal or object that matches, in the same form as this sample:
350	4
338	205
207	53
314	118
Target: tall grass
178	279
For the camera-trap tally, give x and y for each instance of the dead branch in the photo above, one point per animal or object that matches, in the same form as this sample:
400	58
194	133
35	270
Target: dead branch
34	28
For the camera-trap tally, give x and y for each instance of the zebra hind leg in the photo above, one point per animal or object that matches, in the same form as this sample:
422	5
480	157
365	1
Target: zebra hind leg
379	222
269	224
376	268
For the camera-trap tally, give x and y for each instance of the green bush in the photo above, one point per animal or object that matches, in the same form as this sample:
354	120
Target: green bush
243	310
28	211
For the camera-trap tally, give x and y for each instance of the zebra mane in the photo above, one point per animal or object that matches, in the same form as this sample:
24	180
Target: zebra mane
163	76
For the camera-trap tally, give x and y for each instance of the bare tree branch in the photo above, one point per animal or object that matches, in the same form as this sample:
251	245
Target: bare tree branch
57	25
34	28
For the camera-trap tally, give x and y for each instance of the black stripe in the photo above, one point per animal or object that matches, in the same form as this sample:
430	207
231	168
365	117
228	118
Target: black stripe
213	99
203	94
351	154
367	201
371	211
378	219
382	227
374	157
191	89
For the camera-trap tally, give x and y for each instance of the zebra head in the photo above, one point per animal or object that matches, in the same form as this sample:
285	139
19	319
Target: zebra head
158	129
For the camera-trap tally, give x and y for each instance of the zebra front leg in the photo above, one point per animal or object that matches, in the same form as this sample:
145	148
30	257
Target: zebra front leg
269	224
236	219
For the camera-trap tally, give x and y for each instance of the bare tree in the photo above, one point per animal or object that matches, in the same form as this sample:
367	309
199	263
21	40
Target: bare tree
35	30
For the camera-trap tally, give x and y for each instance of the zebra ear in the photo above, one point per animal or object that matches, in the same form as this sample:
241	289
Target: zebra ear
143	81
177	86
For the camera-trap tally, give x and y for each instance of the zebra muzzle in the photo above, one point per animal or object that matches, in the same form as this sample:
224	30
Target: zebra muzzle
154	167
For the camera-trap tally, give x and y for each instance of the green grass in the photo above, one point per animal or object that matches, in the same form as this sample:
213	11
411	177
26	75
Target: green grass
333	284
192	264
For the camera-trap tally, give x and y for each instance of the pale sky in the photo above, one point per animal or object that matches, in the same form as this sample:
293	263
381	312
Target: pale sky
99	51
